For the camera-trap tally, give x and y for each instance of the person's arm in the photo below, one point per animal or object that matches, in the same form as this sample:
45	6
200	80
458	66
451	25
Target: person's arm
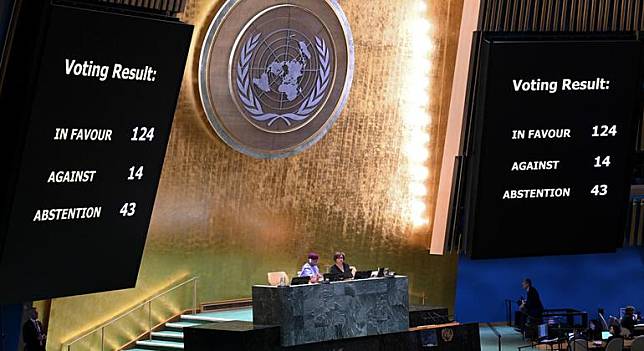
43	335
306	271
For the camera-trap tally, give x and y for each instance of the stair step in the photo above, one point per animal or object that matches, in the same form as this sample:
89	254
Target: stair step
160	345
178	326
168	335
201	318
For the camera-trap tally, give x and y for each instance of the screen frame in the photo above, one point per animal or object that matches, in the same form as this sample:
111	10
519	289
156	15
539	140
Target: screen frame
465	195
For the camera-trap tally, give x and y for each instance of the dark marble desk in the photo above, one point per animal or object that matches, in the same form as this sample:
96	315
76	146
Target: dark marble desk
333	311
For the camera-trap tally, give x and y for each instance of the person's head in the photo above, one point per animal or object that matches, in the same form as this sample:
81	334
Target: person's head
32	313
629	311
313	258
615	329
526	283
338	258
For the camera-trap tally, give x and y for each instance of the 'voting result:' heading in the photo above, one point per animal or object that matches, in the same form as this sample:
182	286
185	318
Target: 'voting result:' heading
89	69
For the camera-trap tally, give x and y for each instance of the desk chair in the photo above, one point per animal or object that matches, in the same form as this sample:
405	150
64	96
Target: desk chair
638	344
578	345
615	345
543	338
625	333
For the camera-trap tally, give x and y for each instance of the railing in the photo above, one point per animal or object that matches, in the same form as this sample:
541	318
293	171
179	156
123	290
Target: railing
138	321
496	332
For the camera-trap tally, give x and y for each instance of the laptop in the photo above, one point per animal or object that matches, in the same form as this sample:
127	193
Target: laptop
300	280
605	335
363	274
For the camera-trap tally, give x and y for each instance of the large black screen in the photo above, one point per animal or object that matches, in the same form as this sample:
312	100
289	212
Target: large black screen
99	121
552	134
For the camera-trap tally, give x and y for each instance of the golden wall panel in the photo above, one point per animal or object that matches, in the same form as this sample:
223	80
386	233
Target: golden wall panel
230	219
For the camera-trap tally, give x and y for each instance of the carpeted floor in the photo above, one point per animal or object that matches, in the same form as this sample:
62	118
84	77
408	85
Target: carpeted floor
510	339
242	314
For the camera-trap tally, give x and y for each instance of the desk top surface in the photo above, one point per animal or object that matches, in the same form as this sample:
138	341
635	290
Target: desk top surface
338	282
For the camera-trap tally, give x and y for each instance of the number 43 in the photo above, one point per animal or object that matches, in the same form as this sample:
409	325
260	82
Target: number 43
599	190
128	209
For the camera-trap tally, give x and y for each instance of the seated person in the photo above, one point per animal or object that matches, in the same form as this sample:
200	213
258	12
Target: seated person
615	332
340	267
310	268
628	321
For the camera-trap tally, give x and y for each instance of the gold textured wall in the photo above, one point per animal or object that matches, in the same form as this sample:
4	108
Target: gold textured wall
229	218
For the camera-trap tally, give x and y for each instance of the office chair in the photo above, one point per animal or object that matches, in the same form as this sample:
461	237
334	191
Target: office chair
625	333
615	345
638	344
578	345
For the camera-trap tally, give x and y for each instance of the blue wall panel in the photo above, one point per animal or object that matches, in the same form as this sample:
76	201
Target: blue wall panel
584	282
10	319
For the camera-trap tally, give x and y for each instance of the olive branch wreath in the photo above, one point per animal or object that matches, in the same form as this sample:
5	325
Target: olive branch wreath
252	104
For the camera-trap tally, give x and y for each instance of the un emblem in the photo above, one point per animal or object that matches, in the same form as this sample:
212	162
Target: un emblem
274	75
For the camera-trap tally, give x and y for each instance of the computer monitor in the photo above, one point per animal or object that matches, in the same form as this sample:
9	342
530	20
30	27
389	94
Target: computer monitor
543	331
300	280
605	335
333	277
363	274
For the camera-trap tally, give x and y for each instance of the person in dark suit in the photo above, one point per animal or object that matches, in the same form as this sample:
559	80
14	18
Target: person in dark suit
628	321
615	332
340	267
531	306
33	334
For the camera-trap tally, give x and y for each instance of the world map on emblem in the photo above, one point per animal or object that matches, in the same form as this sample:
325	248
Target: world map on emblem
282	77
285	74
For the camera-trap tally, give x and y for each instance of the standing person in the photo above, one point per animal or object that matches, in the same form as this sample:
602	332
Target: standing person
340	267
33	334
311	269
531	306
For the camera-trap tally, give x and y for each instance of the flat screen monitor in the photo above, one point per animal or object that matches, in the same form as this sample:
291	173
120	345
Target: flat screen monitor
543	331
363	274
605	335
91	149
333	277
549	154
300	280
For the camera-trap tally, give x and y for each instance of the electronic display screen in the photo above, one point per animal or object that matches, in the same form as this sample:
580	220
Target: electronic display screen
99	123
552	138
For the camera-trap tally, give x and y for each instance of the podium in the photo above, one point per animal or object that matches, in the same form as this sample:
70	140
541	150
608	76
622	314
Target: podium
333	311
